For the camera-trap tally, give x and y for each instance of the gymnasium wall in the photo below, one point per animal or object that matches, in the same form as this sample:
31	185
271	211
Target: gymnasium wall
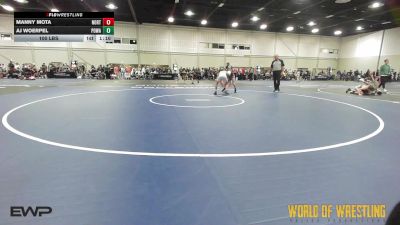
362	51
190	46
185	46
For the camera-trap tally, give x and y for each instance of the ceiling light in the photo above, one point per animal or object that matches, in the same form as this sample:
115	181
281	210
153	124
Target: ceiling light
235	24
330	16
342	1
315	30
386	22
359	19
255	18
337	32
221	4
260	9
263	26
54	10
111	6
289	28
189	13
311	23
295	13
8	8
171	19
359	28
375	5
22	1
203	22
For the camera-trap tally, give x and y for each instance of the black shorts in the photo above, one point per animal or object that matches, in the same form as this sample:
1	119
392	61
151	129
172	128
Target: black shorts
230	77
365	92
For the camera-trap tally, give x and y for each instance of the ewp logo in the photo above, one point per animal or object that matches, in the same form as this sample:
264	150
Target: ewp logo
19	211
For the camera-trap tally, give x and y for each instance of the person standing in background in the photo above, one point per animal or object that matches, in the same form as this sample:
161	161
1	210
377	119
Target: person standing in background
122	72
277	68
385	74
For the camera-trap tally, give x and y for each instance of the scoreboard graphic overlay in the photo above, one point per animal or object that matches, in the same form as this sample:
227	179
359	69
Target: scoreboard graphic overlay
64	27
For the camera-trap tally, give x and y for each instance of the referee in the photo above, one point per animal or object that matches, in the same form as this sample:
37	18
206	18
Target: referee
277	68
385	73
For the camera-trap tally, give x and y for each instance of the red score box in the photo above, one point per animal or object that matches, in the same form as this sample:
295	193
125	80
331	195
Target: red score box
108	21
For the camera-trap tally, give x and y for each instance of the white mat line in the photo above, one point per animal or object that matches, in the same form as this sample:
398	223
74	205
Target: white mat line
14	85
198	100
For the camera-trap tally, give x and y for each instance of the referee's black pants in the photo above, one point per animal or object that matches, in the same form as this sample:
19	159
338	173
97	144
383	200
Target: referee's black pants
276	75
384	79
